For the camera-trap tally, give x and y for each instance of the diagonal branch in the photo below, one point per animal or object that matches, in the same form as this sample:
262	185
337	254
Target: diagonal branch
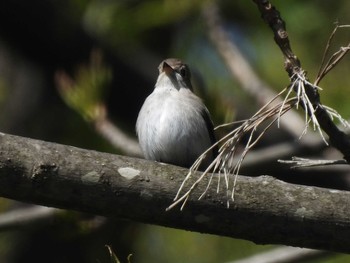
307	97
271	16
241	69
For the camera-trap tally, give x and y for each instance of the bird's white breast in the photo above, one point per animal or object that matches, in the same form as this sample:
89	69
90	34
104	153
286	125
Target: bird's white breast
171	127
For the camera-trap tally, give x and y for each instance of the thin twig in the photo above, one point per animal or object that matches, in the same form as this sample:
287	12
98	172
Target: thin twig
307	97
241	69
304	162
328	45
334	59
319	114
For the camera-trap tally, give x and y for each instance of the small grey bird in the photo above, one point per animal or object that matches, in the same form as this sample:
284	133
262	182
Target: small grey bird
173	125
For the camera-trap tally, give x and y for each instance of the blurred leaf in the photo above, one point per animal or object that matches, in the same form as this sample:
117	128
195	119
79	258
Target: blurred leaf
125	21
86	92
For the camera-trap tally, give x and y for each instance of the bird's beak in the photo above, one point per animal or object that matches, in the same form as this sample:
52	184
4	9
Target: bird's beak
167	69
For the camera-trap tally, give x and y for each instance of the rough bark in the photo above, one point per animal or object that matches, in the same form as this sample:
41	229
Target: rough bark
265	211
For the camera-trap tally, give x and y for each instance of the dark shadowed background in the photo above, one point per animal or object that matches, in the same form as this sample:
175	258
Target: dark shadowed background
39	38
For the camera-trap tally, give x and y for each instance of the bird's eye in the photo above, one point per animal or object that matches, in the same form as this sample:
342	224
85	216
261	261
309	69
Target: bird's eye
183	72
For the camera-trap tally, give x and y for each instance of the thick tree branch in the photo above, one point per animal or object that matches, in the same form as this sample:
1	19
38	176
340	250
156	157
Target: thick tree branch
265	210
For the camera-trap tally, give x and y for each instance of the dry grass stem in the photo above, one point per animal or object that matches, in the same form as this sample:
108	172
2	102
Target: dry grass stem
335	115
334	59
240	68
299	86
255	127
223	164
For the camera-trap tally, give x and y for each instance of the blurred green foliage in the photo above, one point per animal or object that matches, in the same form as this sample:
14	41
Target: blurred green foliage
121	23
85	93
70	30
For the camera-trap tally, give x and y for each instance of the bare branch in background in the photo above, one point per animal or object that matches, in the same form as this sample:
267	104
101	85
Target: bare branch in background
33	215
303	162
242	71
114	135
284	255
28	216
